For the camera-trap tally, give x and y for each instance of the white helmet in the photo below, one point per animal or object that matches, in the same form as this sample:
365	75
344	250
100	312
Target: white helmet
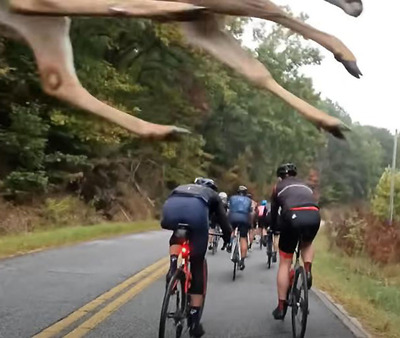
223	196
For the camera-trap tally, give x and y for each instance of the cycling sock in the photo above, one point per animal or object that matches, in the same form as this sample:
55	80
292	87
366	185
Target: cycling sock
173	262
194	315
281	304
307	266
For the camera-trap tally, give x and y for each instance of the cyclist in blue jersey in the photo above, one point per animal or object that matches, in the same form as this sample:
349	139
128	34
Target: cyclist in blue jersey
240	212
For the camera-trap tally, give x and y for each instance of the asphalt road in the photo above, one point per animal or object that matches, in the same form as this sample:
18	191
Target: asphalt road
41	289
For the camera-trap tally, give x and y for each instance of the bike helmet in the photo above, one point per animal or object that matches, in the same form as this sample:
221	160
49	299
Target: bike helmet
287	169
264	202
242	190
206	182
224	197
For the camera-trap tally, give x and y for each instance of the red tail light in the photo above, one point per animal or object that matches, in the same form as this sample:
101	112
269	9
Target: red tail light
185	250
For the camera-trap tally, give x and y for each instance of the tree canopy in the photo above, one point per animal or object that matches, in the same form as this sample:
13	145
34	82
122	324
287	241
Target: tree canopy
240	134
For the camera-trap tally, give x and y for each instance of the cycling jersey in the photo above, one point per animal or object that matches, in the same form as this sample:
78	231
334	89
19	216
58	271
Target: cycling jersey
262	211
290	193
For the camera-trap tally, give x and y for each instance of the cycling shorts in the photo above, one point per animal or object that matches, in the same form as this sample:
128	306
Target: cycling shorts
240	221
298	223
192	211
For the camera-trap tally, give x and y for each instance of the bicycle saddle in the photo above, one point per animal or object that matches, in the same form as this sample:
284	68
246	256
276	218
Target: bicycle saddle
183	231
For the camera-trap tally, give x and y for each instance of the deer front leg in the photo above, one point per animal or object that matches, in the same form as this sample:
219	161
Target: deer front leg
265	9
49	39
206	34
166	10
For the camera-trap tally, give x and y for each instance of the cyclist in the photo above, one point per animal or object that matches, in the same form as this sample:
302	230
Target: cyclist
224	199
253	222
240	217
300	217
275	234
262	212
213	220
192	204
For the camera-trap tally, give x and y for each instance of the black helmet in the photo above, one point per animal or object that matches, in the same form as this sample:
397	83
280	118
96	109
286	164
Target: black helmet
286	169
242	190
206	182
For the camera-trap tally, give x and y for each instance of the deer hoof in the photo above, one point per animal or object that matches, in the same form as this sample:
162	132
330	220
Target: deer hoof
337	129
351	67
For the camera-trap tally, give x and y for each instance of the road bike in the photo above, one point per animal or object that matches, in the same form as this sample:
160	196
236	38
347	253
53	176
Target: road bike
269	247
173	322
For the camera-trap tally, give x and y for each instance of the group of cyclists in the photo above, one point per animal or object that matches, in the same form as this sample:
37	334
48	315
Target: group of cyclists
292	213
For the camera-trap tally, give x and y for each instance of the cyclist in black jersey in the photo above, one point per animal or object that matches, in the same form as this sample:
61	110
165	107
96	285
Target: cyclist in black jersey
193	204
300	219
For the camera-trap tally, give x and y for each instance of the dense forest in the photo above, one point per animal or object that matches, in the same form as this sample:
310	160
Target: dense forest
239	134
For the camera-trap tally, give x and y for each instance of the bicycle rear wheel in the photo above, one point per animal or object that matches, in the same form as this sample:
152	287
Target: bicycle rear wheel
299	303
235	260
172	320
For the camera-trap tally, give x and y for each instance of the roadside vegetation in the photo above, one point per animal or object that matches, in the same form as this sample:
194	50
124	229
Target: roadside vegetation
23	243
368	291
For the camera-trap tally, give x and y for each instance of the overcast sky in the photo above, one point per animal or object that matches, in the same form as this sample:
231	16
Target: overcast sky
374	38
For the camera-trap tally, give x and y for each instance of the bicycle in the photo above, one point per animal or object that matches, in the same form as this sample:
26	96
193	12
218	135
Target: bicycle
260	230
297	297
236	255
269	247
178	287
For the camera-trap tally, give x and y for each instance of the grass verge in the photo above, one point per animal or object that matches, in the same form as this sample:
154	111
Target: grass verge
369	292
27	242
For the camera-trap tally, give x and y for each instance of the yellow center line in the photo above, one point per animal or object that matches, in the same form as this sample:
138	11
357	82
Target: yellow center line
76	315
104	313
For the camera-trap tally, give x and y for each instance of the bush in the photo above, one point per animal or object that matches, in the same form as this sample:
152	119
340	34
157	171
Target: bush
68	211
380	200
347	230
358	232
26	181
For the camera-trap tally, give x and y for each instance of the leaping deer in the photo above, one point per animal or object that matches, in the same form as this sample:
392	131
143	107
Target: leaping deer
44	25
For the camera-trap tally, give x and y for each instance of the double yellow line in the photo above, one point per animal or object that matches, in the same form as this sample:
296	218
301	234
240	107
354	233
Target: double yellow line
127	290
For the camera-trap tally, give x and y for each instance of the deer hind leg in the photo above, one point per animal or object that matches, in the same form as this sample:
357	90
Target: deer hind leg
207	35
49	39
265	9
166	10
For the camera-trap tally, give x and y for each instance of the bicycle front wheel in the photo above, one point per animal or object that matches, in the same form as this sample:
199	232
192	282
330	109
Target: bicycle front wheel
173	310
299	303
